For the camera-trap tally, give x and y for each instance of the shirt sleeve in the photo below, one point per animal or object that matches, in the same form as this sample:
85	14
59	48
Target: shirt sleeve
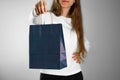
87	44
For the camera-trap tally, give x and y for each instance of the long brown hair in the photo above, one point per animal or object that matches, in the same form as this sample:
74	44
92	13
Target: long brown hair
76	15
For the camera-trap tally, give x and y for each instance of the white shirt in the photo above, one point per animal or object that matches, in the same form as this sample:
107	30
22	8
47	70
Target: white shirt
70	39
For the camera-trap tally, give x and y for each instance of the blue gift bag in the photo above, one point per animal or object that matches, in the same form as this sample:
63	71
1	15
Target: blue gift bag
46	47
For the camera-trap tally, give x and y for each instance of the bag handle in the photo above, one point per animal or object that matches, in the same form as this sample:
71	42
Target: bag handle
50	16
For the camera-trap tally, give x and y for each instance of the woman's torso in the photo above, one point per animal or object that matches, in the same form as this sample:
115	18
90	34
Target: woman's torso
70	39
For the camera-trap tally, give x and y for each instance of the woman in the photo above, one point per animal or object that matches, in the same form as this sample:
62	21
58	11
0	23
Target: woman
68	13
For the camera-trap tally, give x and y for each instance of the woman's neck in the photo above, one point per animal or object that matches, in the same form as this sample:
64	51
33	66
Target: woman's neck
65	12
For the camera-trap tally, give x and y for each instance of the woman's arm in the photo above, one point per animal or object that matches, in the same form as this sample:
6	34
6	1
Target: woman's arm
76	56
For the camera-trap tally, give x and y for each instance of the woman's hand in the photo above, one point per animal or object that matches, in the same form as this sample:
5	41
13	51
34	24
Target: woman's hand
76	57
41	7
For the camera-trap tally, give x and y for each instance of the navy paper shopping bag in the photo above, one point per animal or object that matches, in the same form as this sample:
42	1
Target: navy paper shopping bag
46	47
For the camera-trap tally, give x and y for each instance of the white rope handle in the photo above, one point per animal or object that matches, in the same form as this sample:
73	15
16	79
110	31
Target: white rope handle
50	16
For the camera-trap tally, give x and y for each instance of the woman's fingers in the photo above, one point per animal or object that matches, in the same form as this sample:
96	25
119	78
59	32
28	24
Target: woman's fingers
45	6
37	10
41	7
76	57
